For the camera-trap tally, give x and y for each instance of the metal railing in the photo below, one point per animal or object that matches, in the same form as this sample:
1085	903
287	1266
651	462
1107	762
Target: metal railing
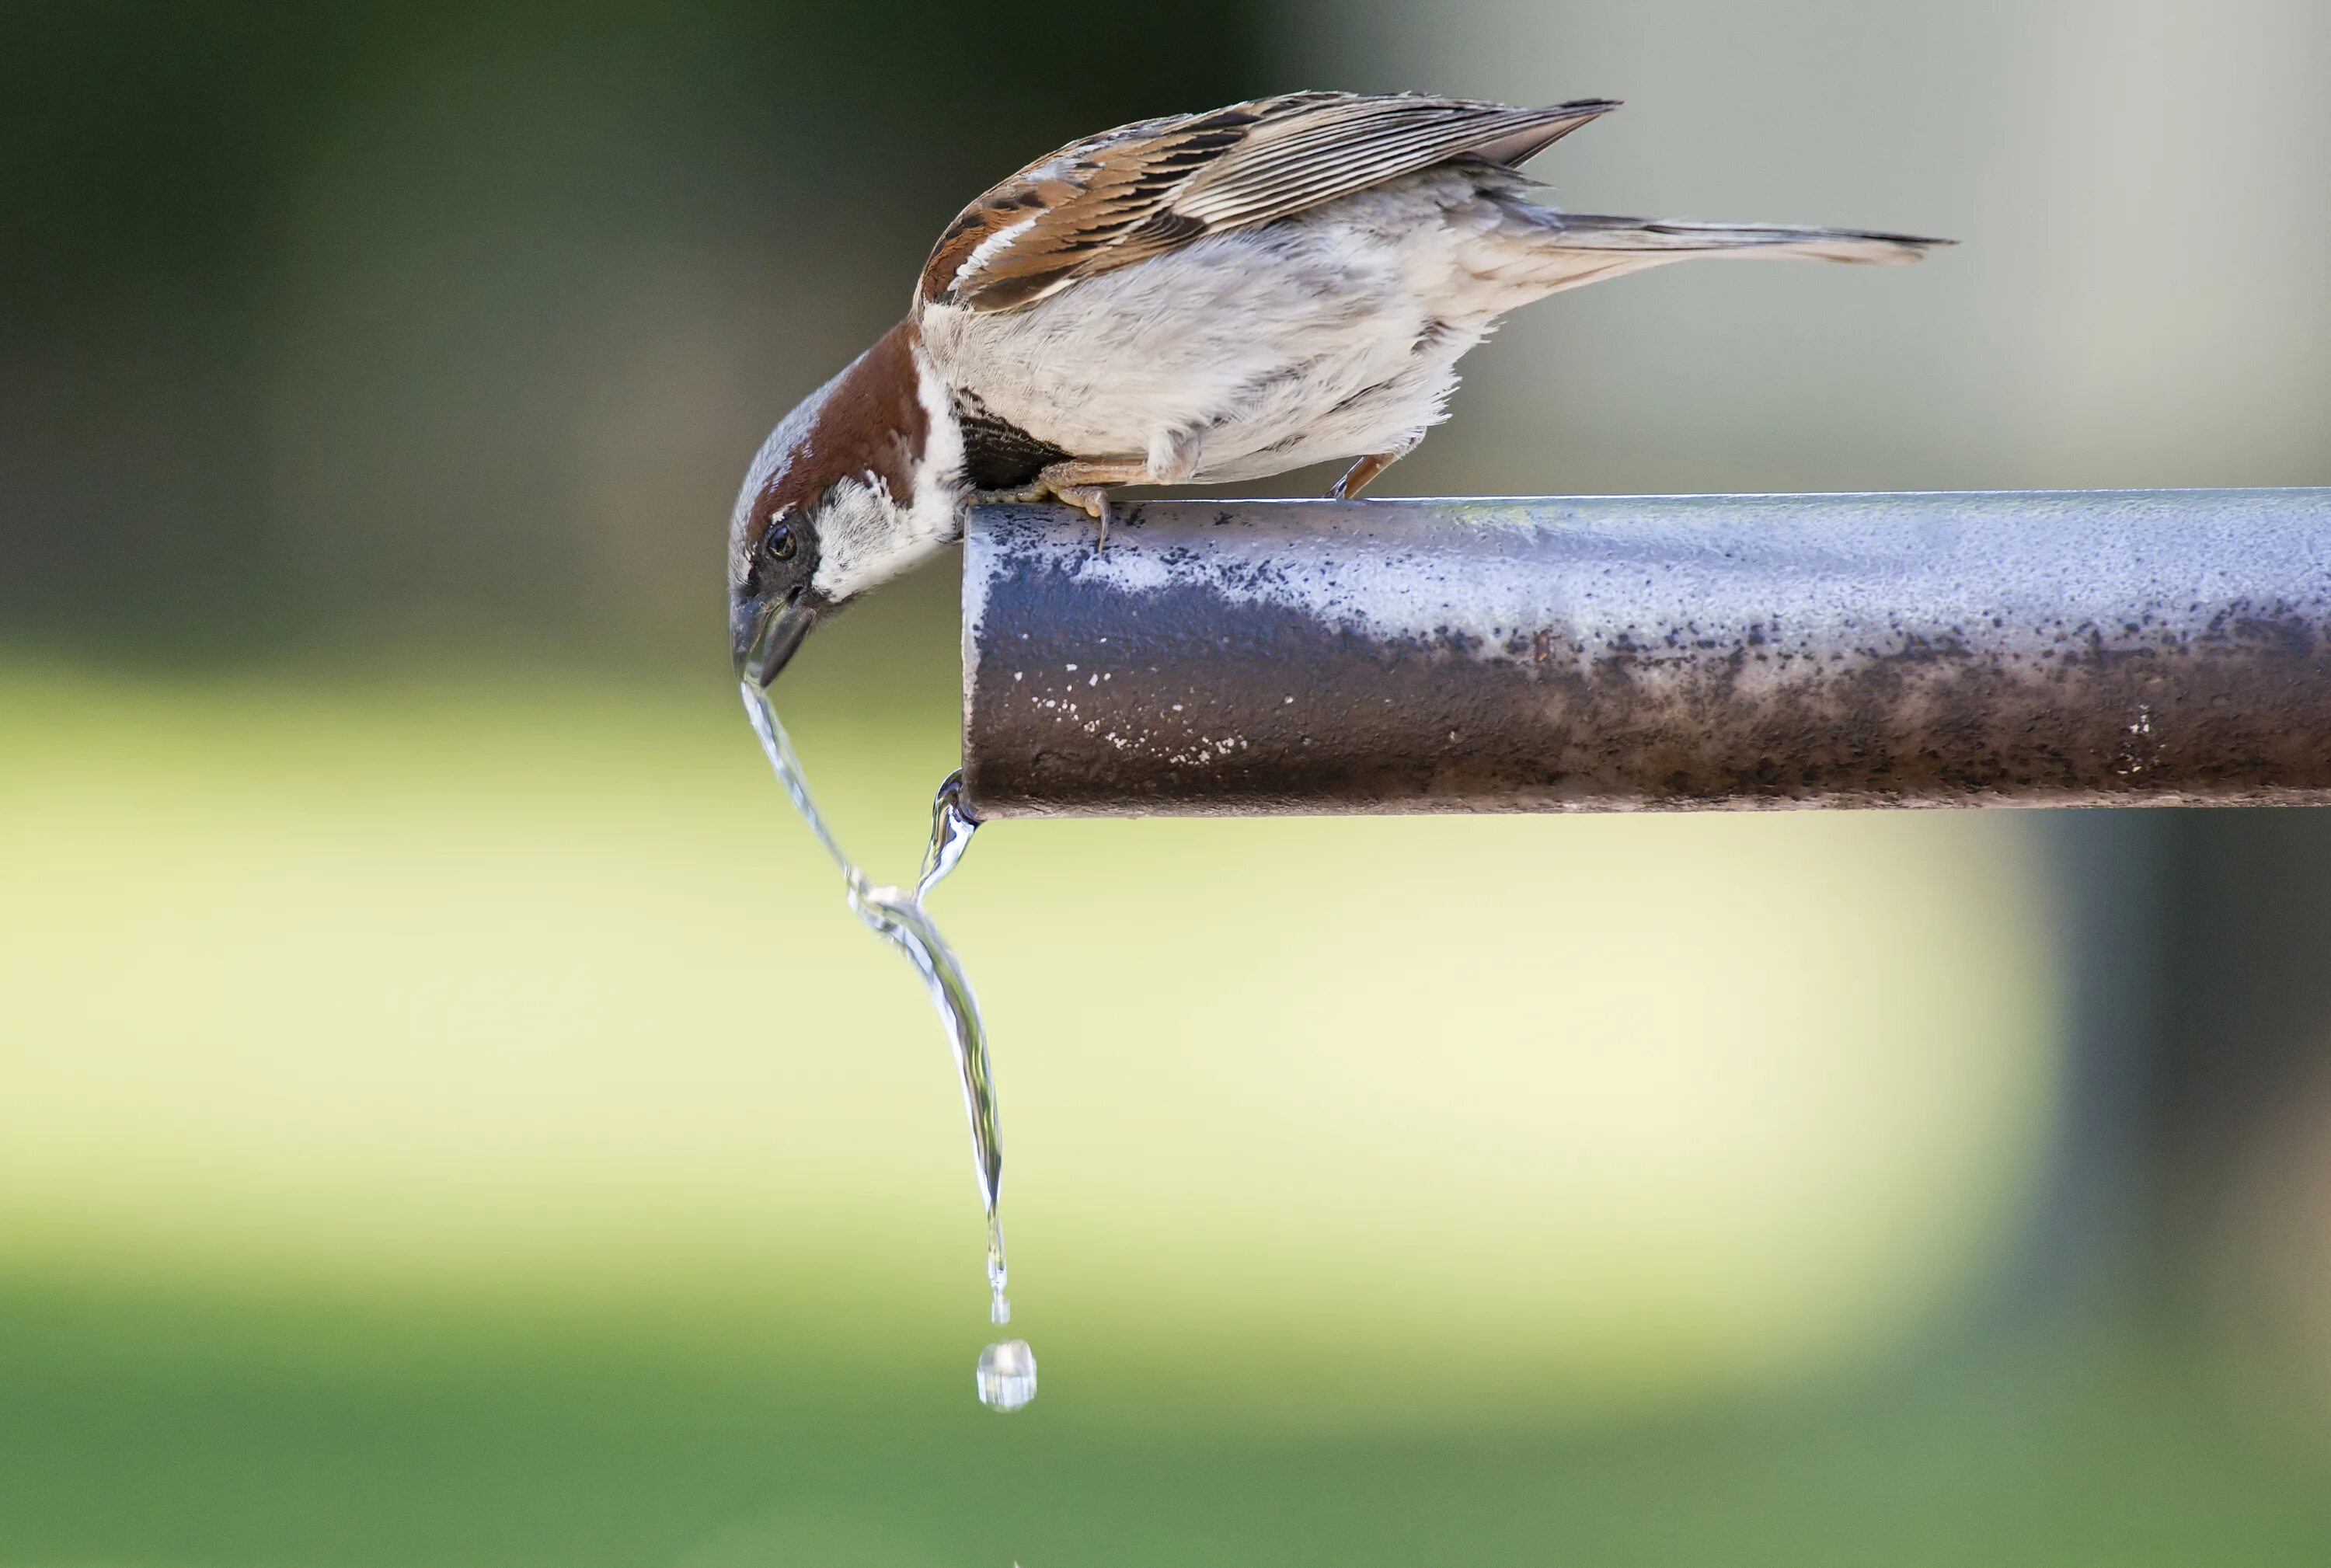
2089	648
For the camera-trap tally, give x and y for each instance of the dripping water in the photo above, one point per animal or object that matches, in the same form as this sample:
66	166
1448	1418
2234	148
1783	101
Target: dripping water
1007	1370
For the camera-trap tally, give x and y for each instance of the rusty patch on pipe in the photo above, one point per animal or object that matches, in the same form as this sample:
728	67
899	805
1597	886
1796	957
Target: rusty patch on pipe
1087	696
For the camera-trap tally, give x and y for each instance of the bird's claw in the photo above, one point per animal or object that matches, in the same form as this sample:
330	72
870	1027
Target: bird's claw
1094	500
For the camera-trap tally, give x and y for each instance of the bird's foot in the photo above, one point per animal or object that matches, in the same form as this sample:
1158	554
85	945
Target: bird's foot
1091	499
1094	500
1025	495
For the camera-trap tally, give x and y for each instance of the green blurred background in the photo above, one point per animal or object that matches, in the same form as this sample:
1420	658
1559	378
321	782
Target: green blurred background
447	1117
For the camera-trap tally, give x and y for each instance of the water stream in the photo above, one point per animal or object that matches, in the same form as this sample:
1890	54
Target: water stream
1006	1377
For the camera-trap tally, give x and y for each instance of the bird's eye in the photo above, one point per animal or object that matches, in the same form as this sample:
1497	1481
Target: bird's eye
778	542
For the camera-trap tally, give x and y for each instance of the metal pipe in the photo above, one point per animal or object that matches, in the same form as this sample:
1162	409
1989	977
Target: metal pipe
2124	648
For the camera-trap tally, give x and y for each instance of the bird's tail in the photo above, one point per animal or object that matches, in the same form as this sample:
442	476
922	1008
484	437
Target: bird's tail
1661	240
1538	250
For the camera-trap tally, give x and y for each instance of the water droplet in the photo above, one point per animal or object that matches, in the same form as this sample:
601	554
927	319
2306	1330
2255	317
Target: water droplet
1007	1374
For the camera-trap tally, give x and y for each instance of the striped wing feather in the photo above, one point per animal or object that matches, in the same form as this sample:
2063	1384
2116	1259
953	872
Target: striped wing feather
1128	193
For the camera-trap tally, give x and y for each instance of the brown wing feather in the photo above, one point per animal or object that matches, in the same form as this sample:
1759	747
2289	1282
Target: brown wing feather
1128	193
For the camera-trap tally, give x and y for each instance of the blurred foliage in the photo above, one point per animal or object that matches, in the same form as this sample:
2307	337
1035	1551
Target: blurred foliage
314	313
542	988
141	1428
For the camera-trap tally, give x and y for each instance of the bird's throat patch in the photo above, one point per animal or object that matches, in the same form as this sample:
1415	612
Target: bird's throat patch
998	455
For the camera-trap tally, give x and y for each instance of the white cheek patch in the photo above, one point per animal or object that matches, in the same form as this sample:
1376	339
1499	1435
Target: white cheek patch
865	535
861	542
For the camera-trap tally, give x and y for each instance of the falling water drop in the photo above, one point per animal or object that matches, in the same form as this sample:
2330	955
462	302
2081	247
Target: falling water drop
1007	1371
1007	1375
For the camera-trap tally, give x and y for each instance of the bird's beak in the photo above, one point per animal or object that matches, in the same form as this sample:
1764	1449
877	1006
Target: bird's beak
768	630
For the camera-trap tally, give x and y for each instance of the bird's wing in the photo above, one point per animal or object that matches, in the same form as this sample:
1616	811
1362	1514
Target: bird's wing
1131	192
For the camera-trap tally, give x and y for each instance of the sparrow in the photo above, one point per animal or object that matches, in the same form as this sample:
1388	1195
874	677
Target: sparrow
1193	300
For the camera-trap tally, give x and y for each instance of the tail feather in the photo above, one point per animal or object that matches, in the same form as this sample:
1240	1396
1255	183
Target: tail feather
1538	250
1645	241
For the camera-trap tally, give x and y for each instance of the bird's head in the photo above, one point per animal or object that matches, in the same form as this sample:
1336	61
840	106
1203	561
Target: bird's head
861	481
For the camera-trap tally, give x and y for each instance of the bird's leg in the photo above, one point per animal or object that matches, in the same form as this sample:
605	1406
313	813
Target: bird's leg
1363	473
1087	484
1021	496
